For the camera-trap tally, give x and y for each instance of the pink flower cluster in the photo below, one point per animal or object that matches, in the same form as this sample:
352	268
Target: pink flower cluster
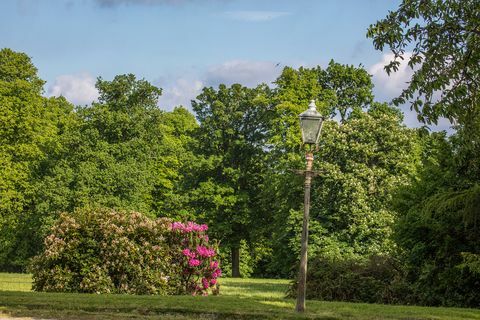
194	262
186	252
200	270
189	227
217	272
205	252
202	252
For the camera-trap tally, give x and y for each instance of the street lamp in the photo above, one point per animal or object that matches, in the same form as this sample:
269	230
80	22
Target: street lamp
311	125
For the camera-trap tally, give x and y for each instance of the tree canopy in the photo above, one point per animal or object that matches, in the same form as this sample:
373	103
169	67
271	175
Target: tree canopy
30	131
231	140
436	229
440	41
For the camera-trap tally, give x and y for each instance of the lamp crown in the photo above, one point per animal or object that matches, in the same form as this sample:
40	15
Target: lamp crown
312	106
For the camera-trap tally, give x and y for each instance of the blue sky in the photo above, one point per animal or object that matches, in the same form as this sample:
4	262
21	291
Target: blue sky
183	45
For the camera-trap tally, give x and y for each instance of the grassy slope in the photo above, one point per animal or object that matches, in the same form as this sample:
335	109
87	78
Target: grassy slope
240	299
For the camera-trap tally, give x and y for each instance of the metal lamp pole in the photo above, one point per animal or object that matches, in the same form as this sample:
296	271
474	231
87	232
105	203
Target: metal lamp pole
311	126
302	273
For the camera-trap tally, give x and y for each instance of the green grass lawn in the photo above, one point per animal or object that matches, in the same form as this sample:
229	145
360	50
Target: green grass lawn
15	282
239	299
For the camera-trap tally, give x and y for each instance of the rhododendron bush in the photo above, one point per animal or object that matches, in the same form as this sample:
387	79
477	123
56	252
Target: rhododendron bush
199	268
107	251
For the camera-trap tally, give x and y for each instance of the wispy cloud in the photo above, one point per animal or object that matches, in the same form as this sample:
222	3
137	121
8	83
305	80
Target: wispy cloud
115	3
390	86
181	89
245	72
77	88
255	16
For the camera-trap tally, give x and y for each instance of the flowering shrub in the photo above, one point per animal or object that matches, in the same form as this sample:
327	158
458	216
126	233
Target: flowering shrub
106	251
199	269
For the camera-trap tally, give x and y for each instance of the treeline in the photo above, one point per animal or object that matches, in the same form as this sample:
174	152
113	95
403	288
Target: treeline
395	210
230	167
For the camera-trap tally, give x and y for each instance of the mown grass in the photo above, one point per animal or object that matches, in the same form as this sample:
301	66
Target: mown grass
239	299
15	282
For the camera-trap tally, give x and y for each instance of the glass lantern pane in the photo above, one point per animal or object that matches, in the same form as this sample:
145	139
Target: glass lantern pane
310	129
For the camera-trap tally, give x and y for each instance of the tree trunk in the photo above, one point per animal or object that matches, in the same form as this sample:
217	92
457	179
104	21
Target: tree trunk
235	262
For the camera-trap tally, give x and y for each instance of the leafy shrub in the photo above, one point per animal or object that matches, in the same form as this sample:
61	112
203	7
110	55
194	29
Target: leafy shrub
376	280
107	251
198	268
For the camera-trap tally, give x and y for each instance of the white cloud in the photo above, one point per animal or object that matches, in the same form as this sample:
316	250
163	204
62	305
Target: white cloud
182	89
390	86
181	92
246	72
256	16
77	88
177	89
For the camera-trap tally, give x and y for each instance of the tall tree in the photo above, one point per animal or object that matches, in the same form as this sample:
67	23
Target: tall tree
231	138
351	88
125	152
361	161
30	130
437	228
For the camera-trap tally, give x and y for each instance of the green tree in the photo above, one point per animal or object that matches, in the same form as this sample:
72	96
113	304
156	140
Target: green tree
124	153
437	229
30	130
438	213
444	37
121	152
350	87
361	161
338	89
231	141
179	145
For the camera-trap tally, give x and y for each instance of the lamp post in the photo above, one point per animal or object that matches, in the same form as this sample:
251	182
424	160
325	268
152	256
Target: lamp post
311	126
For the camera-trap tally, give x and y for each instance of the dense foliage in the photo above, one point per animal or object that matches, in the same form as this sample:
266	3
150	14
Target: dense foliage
231	141
378	279
437	230
121	151
434	244
106	251
31	127
361	162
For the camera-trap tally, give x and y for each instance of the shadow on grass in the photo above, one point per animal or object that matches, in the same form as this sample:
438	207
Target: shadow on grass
239	299
90	306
